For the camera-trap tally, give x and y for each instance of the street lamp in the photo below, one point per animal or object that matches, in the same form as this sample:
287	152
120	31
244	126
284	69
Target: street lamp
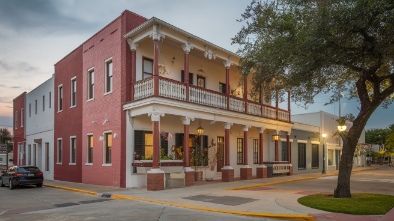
200	131
324	154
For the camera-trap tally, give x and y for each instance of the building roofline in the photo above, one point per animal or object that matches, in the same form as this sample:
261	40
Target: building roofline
24	93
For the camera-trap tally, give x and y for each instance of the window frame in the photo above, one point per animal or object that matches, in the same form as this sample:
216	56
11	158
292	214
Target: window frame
222	87
73	150
200	77
47	156
43	103
89	147
315	156
90	84
73	92
146	75
60	98
108	76
256	151
284	150
59	150
240	151
107	150
302	156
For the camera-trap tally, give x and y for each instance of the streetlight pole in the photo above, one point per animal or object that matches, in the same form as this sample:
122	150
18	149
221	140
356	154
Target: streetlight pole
324	154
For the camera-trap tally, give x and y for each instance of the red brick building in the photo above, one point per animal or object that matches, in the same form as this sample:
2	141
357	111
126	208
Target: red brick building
19	104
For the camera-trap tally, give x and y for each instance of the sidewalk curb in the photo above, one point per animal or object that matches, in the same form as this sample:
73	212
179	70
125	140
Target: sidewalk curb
251	214
71	189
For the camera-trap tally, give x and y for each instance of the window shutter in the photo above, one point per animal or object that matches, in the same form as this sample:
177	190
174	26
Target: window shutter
139	137
204	141
183	77
179	139
164	144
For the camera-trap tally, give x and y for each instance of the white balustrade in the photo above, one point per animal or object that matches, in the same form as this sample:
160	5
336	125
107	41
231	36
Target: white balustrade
237	105
254	109
283	115
269	112
201	96
143	89
172	89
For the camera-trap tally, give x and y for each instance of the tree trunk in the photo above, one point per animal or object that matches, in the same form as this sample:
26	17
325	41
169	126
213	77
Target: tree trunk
345	170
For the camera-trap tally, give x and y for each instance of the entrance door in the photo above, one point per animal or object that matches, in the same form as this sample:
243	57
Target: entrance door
220	154
39	157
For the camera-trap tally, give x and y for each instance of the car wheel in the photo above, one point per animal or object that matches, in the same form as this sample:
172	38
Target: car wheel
1	183
11	185
39	185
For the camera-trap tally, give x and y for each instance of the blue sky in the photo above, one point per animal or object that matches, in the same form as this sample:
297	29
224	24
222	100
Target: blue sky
35	34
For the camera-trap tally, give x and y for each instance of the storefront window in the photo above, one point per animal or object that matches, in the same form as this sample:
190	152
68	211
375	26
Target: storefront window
330	157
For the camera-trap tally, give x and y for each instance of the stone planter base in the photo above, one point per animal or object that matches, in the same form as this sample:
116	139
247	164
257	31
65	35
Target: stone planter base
261	172
227	175
198	175
291	171
246	173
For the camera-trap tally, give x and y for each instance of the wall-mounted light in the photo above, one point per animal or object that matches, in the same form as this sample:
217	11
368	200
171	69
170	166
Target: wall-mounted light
276	136
116	135
101	138
105	121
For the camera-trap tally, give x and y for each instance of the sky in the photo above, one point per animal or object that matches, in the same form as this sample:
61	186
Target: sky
35	34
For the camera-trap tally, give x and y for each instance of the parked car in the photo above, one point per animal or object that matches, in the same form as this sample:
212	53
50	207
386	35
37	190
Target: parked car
22	175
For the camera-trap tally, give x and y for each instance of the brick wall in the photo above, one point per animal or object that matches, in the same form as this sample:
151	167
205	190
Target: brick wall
18	131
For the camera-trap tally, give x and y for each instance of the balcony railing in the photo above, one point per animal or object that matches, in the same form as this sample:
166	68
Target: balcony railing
178	90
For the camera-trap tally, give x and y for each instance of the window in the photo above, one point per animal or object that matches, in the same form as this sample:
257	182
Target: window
284	151
22	117
50	100
190	77
315	156
91	84
222	88
46	156
108	76
301	156
43	103
36	107
147	65
330	157
29	109
59	150
60	98
73	150
256	151
107	148
73	92
16	119
29	154
90	149
34	155
240	153
200	81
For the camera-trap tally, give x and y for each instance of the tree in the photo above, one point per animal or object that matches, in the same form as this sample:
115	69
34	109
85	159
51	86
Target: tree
377	136
5	136
321	46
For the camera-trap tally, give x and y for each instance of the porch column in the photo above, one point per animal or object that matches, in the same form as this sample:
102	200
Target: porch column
245	95
186	48
246	170
261	170
189	172
155	176
227	65
276	150
133	48
289	153
227	170
156	36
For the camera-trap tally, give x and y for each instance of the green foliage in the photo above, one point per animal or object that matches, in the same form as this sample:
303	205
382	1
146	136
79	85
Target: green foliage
359	204
5	136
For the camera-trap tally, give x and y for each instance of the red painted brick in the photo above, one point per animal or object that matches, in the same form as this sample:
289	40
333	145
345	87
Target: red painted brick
246	173
261	172
189	178
18	131
155	181
227	175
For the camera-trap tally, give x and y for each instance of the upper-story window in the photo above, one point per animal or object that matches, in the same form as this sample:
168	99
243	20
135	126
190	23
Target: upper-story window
183	77
200	81
22	117
16	119
50	100
91	84
147	68
108	76
29	109
73	92
222	88
60	98
36	107
43	103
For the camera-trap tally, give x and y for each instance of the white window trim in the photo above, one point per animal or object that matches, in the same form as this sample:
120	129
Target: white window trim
71	92
105	76
22	118
71	137
87	149
104	152
302	141
16	120
90	70
58	100
57	150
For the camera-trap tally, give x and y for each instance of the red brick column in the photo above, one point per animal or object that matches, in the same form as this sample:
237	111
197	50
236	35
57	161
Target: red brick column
227	170
261	172
276	150
227	65
155	180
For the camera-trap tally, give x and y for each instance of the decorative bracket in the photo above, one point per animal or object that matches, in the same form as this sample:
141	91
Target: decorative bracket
156	35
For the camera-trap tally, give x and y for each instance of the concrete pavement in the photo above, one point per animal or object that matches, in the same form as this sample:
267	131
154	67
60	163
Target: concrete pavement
270	198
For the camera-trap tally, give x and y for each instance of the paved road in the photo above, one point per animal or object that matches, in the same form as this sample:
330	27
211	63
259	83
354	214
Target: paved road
31	203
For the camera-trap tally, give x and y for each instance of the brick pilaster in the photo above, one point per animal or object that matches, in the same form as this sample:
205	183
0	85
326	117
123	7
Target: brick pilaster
155	181
189	178
246	173
227	175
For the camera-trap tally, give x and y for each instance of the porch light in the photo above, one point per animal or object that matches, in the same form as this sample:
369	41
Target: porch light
276	136
341	128
200	130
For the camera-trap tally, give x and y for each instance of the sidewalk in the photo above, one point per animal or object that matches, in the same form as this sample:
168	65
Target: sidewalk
256	197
